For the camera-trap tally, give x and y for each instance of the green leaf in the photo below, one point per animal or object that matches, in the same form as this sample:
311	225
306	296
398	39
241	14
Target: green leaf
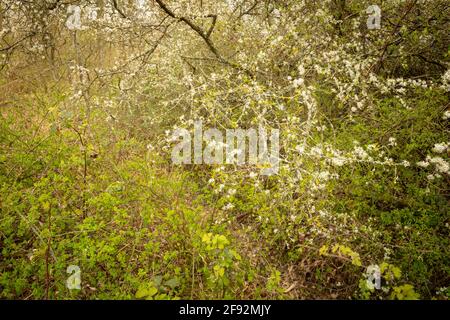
141	293
146	292
157	280
172	283
152	291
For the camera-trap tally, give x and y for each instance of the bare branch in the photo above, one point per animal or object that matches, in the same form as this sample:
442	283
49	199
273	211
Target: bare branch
204	36
213	24
116	6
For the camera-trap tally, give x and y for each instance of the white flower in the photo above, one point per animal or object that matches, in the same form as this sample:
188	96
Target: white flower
392	142
316	151
301	70
229	206
405	163
440	147
232	192
359	104
339	162
446	115
360	153
253	175
300	148
441	165
446	78
423	164
211	181
323	176
297	82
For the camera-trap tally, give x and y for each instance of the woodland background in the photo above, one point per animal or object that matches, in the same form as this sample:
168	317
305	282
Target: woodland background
86	177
